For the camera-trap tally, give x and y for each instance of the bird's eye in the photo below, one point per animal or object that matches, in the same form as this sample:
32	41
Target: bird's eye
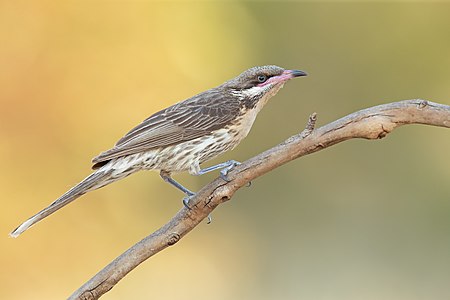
262	78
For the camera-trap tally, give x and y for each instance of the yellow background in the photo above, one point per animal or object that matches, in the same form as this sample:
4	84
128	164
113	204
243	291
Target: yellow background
361	220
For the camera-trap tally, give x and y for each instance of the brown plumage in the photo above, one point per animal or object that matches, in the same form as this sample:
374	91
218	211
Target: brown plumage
188	120
182	136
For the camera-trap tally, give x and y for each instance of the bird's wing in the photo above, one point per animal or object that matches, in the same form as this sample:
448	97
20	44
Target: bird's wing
184	121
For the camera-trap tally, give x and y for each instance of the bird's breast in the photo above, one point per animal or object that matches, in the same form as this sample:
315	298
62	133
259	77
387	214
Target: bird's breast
240	128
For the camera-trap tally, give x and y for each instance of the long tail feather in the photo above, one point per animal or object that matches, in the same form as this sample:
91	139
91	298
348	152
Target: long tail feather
94	181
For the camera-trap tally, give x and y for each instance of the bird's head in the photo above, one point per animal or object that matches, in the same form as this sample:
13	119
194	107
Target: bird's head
260	83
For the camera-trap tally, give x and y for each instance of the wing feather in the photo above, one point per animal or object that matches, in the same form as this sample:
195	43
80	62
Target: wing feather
184	121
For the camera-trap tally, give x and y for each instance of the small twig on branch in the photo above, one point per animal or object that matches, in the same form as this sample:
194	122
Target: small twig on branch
310	126
371	123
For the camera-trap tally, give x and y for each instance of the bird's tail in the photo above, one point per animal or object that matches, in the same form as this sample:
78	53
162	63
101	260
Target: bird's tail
92	182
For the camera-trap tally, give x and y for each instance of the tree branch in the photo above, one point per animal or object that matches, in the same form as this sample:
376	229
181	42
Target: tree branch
371	123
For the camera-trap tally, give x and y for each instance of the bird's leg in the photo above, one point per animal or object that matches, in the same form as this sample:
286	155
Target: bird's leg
166	177
224	167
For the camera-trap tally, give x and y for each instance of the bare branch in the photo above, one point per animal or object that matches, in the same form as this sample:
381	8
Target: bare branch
371	123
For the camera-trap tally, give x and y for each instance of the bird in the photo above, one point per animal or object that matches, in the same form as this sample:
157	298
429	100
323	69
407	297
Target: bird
182	136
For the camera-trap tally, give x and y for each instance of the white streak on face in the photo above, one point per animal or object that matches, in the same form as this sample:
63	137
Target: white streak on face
255	91
268	91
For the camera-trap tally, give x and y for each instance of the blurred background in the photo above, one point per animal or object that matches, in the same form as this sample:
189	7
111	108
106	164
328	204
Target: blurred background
361	220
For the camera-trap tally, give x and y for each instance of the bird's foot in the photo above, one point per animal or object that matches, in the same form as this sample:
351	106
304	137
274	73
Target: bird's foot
186	204
186	199
227	168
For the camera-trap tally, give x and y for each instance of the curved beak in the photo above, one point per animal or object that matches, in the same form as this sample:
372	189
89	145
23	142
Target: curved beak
296	73
285	76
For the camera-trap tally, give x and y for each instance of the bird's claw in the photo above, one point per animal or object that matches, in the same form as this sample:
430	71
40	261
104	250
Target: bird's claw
186	201
224	177
224	171
186	204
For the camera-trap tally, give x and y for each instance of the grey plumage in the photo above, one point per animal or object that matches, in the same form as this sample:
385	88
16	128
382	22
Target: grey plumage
182	136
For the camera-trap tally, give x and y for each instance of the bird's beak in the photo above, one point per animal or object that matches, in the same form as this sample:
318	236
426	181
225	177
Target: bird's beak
295	73
283	77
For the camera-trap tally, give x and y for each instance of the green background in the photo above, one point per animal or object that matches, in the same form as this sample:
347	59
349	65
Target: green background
361	220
